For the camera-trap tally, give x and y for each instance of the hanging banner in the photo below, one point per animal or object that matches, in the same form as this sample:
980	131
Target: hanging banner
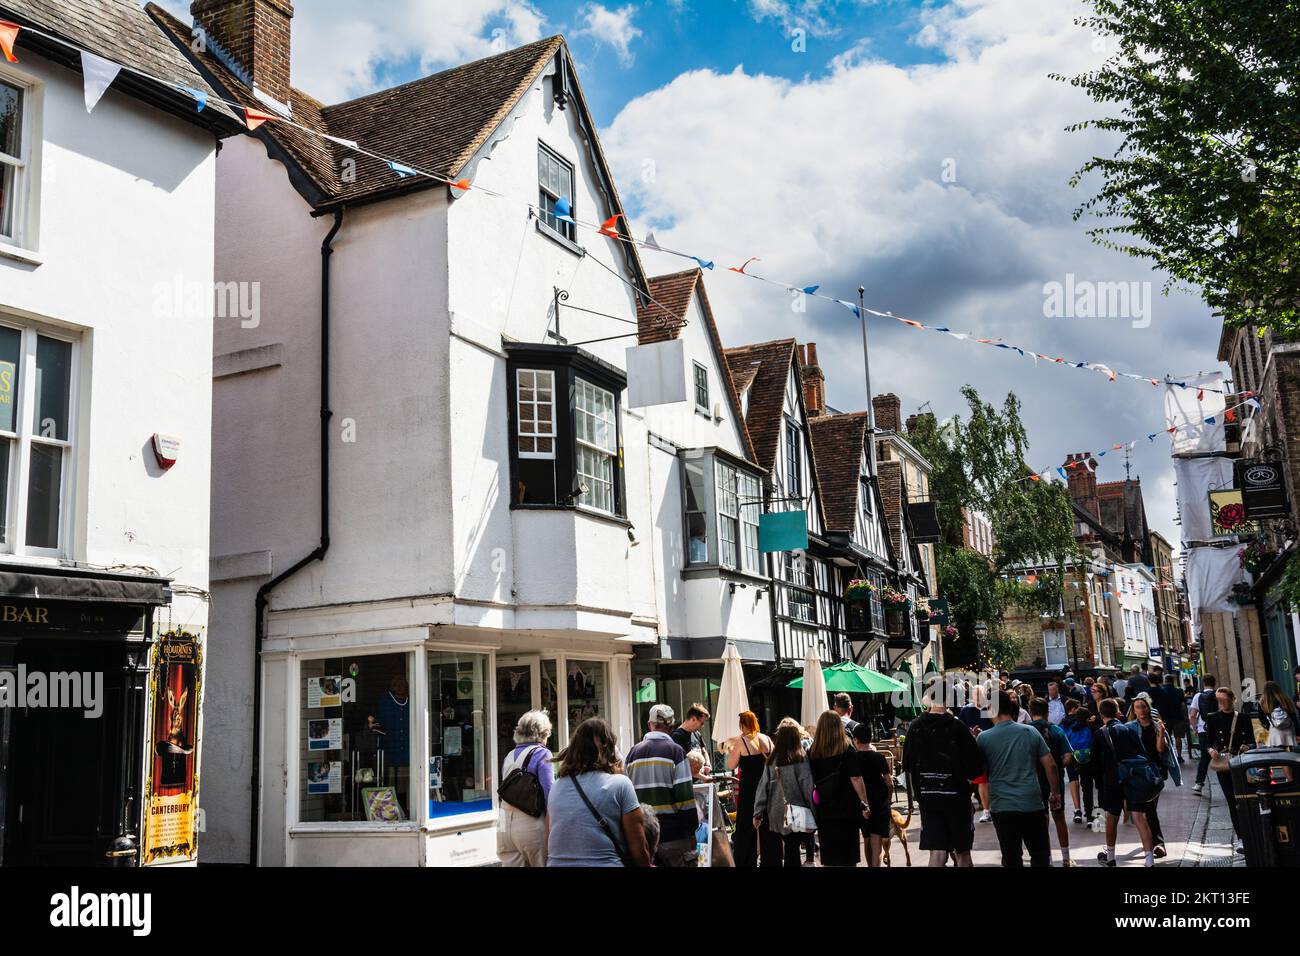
783	531
656	374
171	791
1262	487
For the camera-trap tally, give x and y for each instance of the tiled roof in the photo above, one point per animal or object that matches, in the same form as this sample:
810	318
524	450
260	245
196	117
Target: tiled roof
766	394
662	321
435	124
117	30
890	476
744	376
839	440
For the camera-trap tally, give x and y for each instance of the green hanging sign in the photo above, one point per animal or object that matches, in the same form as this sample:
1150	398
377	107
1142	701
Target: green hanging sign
783	531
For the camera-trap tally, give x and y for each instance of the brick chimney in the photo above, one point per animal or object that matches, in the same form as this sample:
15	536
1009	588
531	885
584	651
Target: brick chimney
889	410
256	34
1082	480
913	421
814	381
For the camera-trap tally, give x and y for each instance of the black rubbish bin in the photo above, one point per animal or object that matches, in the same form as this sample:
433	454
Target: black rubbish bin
1267	785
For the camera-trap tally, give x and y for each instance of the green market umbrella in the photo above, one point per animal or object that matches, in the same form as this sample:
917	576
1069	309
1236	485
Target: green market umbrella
909	710
855	679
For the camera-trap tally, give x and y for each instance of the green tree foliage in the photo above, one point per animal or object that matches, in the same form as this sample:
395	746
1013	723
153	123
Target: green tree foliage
1205	182
979	463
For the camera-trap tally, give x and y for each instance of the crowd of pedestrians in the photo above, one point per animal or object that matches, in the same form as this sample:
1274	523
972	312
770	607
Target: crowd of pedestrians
1110	746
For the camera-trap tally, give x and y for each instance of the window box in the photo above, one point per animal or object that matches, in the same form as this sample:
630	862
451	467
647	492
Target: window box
565	430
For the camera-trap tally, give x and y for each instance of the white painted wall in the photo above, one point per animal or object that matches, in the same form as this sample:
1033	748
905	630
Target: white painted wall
126	197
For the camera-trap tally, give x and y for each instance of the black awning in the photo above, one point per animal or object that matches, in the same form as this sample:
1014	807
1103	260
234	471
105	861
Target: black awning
81	585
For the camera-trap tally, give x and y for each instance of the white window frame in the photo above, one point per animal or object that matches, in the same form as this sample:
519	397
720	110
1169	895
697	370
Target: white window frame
700	372
565	229
27	164
609	454
748	490
26	434
535	433
1063	648
727	478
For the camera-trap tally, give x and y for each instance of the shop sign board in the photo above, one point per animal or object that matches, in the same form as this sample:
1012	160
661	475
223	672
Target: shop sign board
171	791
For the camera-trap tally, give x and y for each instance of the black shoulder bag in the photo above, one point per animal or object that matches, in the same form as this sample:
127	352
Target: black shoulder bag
602	823
522	789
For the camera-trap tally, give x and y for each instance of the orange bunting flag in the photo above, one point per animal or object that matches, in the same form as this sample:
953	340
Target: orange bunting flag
607	228
1035	477
1171	429
255	118
1230	415
912	322
8	37
461	184
1200	395
742	271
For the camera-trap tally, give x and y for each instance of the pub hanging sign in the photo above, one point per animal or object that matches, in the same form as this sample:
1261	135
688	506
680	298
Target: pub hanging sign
1263	489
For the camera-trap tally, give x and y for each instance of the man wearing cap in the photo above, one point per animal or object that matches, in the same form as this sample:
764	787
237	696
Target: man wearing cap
1072	689
661	774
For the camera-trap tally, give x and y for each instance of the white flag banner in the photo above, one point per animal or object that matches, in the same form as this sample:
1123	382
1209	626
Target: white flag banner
656	374
1196	414
1196	478
99	75
1211	574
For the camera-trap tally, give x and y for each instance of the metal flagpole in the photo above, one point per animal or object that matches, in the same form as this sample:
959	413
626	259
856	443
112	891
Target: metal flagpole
866	368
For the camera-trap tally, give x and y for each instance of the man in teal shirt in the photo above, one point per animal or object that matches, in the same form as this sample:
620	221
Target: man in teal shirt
1014	752
1062	753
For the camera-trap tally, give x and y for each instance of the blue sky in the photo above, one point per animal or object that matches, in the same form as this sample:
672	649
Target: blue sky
915	148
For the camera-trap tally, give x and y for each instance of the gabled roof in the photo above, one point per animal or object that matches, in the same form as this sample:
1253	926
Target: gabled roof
766	393
435	123
662	318
839	441
119	30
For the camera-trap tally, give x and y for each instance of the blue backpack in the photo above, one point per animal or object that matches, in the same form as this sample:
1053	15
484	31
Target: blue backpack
1139	777
1080	738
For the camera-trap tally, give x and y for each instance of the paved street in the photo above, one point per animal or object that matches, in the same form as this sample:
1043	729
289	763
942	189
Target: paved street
1197	828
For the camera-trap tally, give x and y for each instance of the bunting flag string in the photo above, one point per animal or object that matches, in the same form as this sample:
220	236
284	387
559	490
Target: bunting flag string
1229	414
563	210
98	75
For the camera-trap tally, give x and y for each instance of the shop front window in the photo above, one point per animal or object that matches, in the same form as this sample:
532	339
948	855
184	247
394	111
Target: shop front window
355	739
587	692
460	778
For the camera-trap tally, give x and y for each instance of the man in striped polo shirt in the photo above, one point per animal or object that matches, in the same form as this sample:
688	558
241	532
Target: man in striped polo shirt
659	770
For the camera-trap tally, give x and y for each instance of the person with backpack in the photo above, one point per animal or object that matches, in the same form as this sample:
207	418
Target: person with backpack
1077	728
940	759
526	778
1124	772
1155	747
1058	745
1203	705
1277	714
1014	752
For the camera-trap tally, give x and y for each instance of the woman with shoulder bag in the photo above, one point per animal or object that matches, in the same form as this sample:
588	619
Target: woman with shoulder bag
1154	746
839	793
783	805
593	813
1278	715
1227	733
526	778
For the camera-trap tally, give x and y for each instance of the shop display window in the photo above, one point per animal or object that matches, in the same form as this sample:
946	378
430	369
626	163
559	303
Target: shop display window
587	692
355	739
460	777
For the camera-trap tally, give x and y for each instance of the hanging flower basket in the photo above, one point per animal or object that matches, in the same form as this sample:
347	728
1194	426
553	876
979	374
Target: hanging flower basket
891	597
1255	557
859	591
950	632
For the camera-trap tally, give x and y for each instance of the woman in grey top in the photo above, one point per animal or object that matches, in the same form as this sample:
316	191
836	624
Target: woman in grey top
610	831
786	778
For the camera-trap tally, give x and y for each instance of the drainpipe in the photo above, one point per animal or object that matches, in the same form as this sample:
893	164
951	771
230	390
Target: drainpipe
264	592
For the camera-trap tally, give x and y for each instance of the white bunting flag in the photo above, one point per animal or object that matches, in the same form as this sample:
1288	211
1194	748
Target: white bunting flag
651	243
99	75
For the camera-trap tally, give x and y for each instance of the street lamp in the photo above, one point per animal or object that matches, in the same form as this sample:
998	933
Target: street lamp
981	635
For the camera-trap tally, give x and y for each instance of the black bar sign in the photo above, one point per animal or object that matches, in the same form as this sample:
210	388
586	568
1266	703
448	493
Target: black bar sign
1263	490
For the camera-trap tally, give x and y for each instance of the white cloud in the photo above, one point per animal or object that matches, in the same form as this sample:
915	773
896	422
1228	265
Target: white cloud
613	27
838	179
341	50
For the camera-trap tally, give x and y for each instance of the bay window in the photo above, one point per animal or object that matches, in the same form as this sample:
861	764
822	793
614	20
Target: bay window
36	440
565	446
722	502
